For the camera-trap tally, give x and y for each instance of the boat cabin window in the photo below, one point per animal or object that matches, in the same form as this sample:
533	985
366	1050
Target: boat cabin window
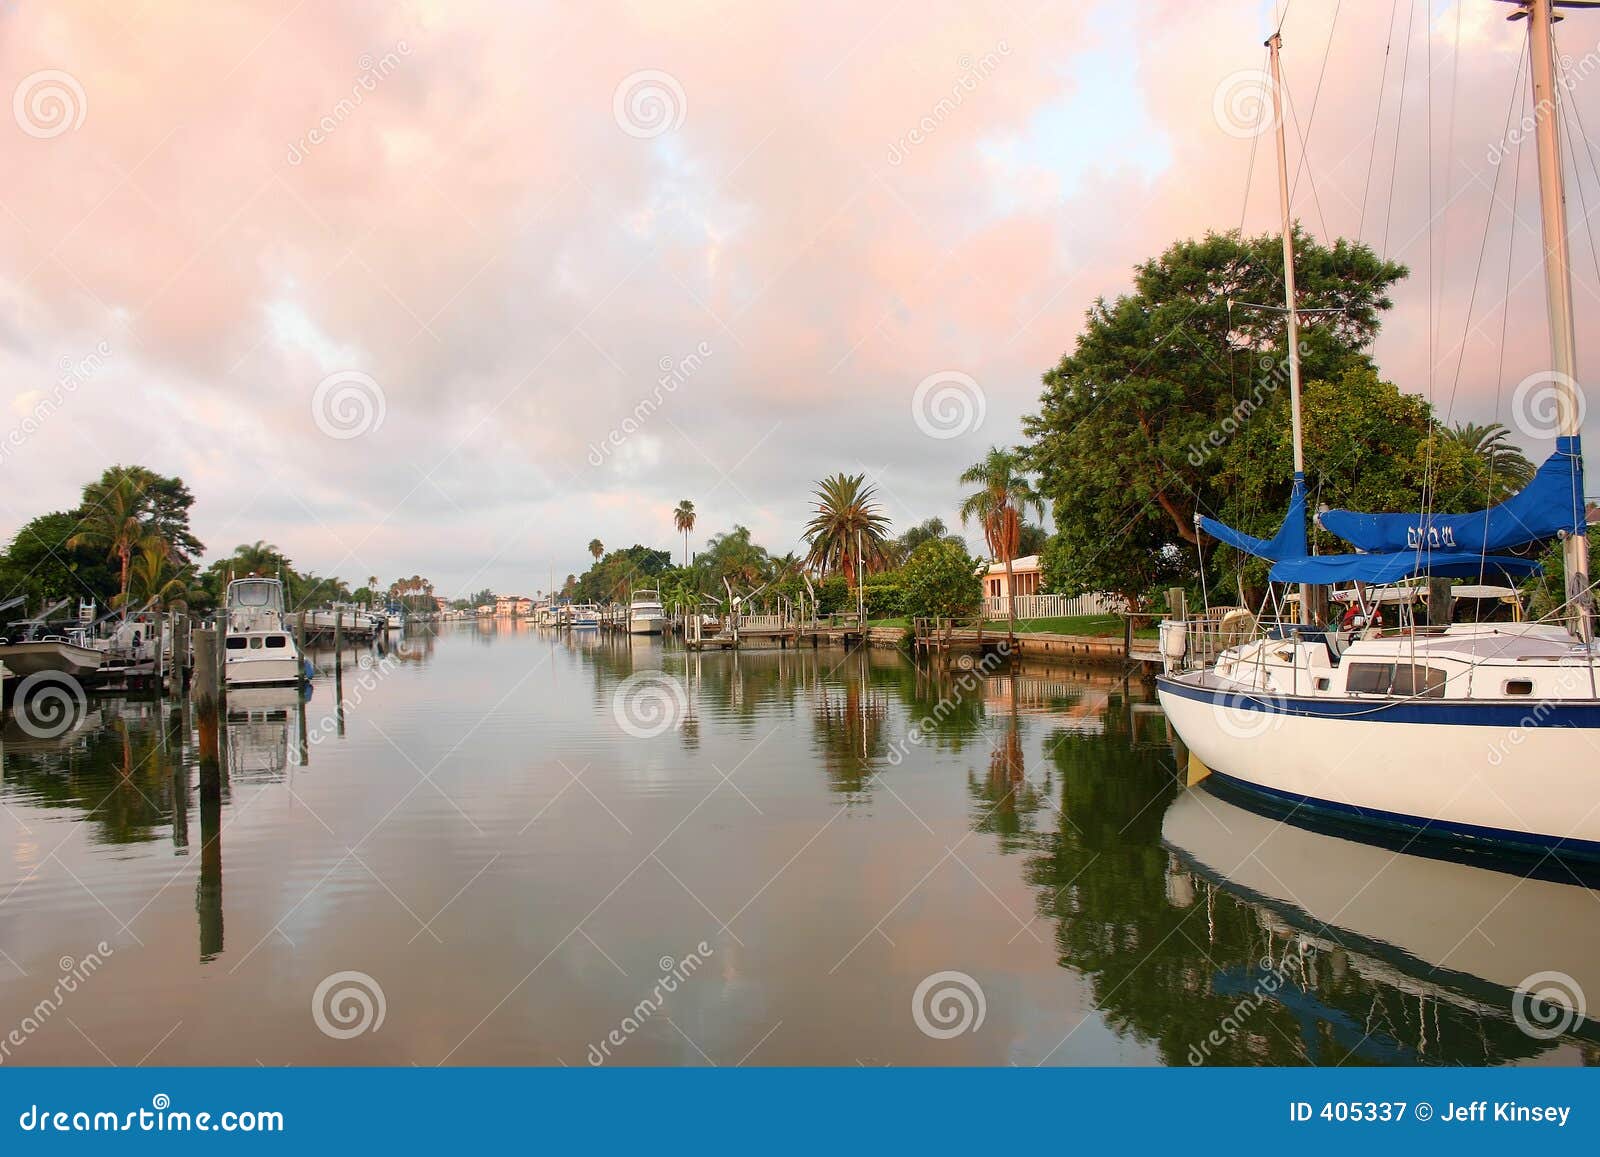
235	642
1370	678
1395	679
276	641
1519	686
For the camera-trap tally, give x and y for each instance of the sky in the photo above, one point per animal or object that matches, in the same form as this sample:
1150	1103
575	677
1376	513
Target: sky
454	288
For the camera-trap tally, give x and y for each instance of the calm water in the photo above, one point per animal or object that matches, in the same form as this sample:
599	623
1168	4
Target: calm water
526	849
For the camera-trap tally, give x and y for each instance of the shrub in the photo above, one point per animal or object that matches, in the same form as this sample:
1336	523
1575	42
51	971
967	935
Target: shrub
940	578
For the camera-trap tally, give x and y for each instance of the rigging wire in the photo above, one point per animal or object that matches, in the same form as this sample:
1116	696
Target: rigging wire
1316	97
1377	117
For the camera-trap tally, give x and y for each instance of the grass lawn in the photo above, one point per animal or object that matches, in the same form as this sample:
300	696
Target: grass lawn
905	623
1074	625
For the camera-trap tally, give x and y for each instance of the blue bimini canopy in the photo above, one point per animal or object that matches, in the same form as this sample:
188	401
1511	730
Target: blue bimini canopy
1551	504
1327	569
1289	542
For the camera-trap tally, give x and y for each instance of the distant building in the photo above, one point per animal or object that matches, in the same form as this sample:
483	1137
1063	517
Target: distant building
1025	570
441	602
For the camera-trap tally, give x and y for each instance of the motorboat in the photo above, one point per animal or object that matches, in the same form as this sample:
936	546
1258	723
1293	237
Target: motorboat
259	648
645	613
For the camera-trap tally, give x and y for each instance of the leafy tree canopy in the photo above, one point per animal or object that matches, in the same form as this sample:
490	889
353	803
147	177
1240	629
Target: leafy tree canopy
1126	443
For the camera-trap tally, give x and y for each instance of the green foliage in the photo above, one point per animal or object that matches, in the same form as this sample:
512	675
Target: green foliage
940	578
833	594
848	522
885	597
1123	442
614	578
41	566
1368	447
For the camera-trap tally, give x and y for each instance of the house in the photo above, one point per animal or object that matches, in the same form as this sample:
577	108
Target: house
523	607
1025	570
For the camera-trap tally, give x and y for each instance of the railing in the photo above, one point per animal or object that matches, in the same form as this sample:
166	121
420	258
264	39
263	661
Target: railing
1054	606
1204	638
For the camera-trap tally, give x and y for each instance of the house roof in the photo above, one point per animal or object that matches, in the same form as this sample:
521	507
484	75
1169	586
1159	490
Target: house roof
1026	563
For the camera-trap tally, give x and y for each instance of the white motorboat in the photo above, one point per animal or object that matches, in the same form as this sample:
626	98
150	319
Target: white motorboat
1475	732
583	617
66	653
645	614
260	648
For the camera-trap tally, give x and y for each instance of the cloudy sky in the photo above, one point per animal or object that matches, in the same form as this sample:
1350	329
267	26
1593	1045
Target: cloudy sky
395	285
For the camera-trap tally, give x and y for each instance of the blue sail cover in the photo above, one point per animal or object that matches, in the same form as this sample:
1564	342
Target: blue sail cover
1289	542
1327	569
1550	504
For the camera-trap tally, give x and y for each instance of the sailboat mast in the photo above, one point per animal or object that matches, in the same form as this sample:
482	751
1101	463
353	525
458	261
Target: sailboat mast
1557	279
1274	45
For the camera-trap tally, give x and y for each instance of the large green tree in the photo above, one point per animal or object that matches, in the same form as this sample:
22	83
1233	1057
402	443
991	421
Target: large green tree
41	566
1127	442
1368	446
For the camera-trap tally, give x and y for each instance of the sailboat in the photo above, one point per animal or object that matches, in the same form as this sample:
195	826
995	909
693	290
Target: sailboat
1483	733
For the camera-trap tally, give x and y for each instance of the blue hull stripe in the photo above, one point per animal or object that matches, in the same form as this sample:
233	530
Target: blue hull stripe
1456	832
1440	712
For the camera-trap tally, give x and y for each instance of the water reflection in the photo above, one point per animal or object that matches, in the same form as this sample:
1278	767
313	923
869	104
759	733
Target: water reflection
1198	930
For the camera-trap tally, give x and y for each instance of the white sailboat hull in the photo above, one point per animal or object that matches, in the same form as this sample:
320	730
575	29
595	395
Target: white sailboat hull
1505	777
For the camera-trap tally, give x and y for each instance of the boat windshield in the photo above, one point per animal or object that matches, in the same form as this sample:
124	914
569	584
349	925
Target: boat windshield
254	593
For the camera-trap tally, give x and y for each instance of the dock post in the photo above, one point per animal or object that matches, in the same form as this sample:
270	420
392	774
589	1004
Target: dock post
208	892
1127	636
300	645
154	642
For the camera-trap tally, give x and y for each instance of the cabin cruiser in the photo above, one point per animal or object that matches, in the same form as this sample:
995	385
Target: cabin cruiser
583	616
645	615
259	649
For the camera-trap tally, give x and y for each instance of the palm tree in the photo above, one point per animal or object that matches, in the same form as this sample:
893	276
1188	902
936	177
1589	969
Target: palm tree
847	522
1001	501
683	519
1507	466
113	519
154	580
596	548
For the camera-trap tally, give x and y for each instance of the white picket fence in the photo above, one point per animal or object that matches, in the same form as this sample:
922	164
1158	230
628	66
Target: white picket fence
1054	606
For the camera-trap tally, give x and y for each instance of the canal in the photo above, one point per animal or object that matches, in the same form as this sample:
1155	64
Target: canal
514	847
